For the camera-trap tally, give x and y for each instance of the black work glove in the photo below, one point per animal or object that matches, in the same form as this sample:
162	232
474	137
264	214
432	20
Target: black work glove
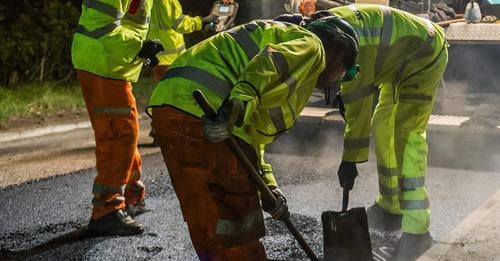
347	173
209	23
278	210
209	19
148	52
228	115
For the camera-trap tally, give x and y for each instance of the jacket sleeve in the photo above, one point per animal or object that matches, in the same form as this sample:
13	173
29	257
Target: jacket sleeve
278	73
171	16
280	76
358	102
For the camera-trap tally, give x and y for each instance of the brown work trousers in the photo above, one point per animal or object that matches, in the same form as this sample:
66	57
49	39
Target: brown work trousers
113	114
219	203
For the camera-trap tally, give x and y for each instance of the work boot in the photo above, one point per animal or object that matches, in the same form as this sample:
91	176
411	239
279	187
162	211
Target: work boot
117	223
411	246
137	209
381	220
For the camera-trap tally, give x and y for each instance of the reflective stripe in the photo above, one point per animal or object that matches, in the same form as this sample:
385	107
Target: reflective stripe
99	32
414	204
242	36
357	143
368	31
115	201
385	40
407	184
292	84
359	93
138	18
229	227
278	119
172	51
178	21
105	189
113	110
419	97
388	172
221	87
387	191
280	62
104	8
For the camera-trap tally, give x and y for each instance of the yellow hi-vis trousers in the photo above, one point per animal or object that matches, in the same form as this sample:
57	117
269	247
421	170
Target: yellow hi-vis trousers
398	124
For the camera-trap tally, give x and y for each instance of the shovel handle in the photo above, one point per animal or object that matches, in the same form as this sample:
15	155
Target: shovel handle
254	175
231	142
345	200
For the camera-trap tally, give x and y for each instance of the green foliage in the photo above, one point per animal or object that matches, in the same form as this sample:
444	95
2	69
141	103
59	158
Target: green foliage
35	40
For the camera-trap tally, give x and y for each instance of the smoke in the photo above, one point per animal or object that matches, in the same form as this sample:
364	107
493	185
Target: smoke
471	88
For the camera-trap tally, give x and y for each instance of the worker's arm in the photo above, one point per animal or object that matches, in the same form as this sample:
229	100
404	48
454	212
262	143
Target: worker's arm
281	74
171	17
358	103
278	76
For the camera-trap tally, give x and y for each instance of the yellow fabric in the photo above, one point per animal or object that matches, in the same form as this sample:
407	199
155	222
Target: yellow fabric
114	54
407	36
255	80
169	24
411	61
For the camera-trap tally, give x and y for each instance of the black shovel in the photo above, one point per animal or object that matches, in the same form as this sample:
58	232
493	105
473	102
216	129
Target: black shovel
345	233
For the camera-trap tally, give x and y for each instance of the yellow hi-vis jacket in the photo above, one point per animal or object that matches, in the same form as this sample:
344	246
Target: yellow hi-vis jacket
271	66
168	24
389	39
109	36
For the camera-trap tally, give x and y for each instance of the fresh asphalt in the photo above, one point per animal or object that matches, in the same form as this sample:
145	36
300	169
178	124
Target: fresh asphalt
38	219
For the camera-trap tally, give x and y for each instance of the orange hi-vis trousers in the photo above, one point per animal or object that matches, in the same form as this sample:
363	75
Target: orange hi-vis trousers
219	202
113	114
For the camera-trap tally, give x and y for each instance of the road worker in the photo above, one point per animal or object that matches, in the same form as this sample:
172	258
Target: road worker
169	24
108	51
403	58
258	77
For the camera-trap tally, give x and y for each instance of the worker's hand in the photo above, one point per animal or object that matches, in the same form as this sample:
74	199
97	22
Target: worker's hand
279	209
209	19
347	173
228	115
148	52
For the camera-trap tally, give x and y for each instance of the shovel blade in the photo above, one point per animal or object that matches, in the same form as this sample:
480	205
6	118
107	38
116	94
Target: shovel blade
346	236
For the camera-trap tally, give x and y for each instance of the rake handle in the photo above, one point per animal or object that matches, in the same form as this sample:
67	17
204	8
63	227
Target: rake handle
254	175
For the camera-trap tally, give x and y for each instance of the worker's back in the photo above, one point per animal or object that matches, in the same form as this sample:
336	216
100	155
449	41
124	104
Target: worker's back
387	38
277	62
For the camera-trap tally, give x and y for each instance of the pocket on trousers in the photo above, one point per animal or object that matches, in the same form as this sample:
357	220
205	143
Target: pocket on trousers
189	144
240	219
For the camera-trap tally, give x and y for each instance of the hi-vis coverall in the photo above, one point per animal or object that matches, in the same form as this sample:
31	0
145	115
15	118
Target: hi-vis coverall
404	57
107	40
272	67
168	24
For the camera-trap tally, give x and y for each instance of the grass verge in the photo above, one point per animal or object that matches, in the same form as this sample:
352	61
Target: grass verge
42	99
